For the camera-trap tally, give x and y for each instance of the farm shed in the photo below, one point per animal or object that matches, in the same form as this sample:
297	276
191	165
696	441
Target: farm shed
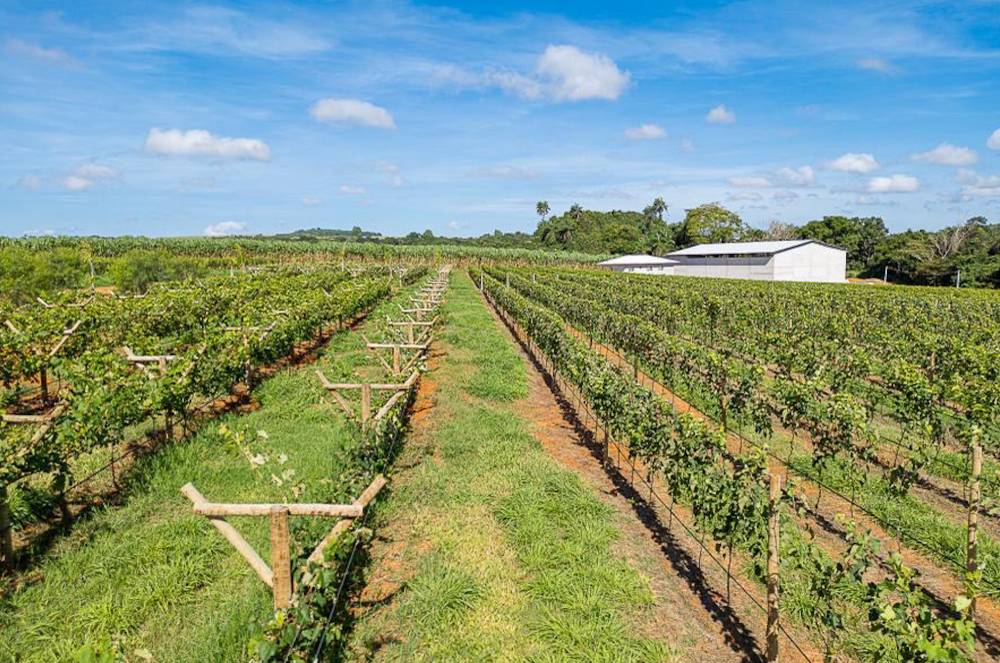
640	264
786	260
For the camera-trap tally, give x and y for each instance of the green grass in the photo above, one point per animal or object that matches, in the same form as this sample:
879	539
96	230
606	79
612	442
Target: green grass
150	574
509	556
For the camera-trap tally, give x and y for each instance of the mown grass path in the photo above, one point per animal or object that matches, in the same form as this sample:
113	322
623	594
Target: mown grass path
152	576
489	549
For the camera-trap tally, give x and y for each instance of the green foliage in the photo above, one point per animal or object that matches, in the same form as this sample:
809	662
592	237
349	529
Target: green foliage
860	237
902	611
608	232
710	223
136	271
26	273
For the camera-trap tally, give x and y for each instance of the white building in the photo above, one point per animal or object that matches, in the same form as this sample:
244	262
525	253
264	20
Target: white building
640	264
786	260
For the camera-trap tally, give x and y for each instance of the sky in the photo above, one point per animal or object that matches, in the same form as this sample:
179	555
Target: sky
145	118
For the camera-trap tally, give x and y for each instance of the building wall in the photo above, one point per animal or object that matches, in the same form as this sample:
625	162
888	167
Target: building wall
811	262
722	267
638	269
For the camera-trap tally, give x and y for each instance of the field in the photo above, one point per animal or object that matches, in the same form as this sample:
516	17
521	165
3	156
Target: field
500	459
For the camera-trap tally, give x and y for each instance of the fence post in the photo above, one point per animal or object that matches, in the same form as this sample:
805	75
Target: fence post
43	378
280	562
971	563
366	402
772	567
396	360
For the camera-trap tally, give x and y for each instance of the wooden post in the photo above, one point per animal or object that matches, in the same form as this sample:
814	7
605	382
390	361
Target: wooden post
773	541
397	360
43	378
409	334
366	401
280	563
6	531
971	563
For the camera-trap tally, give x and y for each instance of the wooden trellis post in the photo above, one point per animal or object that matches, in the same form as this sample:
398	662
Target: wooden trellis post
773	568
366	390
279	575
971	548
397	367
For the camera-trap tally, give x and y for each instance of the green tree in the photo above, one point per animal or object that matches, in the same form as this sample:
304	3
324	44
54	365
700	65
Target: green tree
542	209
709	223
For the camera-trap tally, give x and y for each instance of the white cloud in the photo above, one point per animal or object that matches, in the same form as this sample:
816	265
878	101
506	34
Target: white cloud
645	132
978	186
505	171
893	184
720	115
803	176
224	228
948	155
687	145
87	175
785	195
515	83
311	201
352	111
993	142
749	182
854	162
746	195
22	48
76	183
30	182
198	142
878	64
351	190
574	75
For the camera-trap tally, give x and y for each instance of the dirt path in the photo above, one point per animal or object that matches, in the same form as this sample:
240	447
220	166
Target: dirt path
690	589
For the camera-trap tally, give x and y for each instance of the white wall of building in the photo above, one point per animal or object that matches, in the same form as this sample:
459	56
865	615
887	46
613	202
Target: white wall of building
811	262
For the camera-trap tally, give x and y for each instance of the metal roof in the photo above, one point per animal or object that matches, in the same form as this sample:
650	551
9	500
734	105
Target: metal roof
638	260
743	248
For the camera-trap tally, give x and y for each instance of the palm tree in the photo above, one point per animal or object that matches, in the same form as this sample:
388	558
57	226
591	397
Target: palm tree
542	209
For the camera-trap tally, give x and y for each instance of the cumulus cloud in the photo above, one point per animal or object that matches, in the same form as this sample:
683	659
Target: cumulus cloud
352	190
85	176
854	162
978	186
515	83
993	142
198	142
645	132
720	115
224	228
948	155
574	75
878	64
803	176
352	111
749	182
893	184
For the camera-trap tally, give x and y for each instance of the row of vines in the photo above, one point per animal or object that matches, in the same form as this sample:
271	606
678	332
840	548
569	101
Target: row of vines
726	488
79	374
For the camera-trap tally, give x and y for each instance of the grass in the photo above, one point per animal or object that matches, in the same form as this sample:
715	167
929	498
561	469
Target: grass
150	575
508	556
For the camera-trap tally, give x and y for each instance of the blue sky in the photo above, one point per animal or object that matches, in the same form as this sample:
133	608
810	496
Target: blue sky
188	119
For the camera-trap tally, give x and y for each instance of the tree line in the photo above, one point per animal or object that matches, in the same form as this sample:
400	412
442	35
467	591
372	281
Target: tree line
918	257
